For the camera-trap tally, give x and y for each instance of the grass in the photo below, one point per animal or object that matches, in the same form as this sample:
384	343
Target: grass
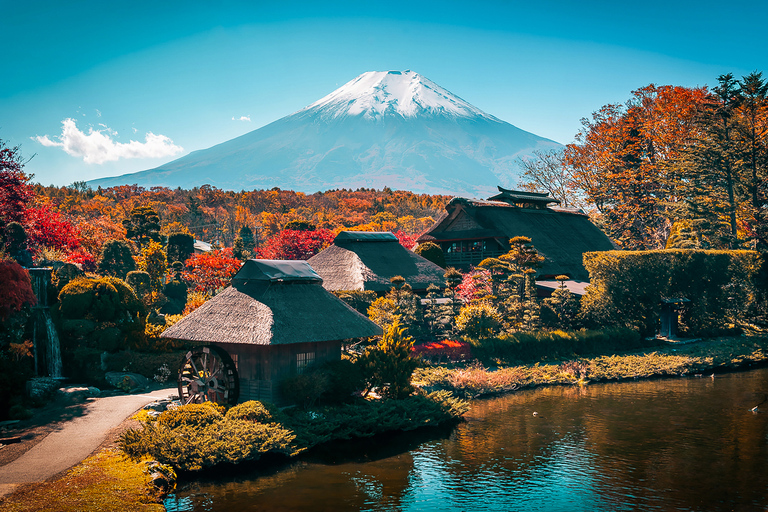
108	481
707	356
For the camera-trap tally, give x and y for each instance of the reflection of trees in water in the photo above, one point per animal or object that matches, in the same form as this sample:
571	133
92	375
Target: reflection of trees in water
688	443
692	440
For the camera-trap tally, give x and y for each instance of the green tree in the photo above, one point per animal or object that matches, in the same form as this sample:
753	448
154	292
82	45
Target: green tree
432	252
244	244
180	247
152	260
388	366
116	259
711	167
562	305
143	226
752	135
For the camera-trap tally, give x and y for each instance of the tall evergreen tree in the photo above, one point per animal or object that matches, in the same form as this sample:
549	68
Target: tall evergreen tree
712	167
143	226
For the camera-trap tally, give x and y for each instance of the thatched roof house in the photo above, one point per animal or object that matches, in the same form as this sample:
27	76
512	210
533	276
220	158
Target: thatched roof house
273	320
473	230
367	260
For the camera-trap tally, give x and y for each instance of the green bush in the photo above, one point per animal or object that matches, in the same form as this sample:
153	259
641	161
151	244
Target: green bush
102	313
192	415
304	389
553	345
192	447
359	300
478	321
251	411
116	259
368	418
432	252
627	288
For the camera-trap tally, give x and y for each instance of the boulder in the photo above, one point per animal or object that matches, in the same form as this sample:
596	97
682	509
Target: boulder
127	381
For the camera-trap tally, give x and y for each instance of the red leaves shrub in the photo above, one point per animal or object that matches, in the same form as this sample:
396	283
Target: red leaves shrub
83	258
295	245
15	288
210	271
446	350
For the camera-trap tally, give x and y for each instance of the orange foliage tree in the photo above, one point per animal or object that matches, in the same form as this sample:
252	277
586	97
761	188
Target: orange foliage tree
623	159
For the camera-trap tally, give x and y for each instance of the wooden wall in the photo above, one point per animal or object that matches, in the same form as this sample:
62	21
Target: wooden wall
262	367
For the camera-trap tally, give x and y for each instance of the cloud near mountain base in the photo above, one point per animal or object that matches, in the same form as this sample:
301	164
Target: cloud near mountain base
98	147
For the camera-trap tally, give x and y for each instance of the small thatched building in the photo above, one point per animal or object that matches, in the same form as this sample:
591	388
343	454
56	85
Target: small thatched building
472	230
367	260
273	321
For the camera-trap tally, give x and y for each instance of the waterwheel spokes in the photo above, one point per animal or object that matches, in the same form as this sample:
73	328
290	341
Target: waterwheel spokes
208	374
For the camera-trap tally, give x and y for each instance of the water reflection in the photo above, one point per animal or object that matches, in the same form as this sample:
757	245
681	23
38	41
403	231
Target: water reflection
681	444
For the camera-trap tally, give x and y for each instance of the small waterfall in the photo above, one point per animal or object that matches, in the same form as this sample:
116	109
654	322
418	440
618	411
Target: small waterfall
47	349
54	349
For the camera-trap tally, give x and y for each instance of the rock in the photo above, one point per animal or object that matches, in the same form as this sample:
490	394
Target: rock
127	381
159	405
41	387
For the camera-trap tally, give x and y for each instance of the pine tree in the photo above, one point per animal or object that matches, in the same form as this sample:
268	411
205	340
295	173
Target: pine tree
244	244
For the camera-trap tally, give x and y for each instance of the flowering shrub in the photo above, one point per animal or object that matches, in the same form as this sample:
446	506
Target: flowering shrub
446	350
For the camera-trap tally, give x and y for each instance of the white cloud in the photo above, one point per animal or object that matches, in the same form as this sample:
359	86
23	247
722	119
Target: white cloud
242	118
97	147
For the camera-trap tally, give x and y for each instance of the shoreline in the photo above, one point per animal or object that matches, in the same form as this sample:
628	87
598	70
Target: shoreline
714	356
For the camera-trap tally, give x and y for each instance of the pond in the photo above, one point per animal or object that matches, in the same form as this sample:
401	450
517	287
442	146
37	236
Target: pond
683	444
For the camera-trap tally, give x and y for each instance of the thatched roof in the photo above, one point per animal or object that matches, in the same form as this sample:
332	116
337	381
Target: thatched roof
362	260
561	235
273	303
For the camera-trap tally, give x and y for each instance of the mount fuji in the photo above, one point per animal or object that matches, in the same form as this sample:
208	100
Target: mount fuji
383	129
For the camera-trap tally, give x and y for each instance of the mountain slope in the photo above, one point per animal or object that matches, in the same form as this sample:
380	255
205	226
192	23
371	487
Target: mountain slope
381	129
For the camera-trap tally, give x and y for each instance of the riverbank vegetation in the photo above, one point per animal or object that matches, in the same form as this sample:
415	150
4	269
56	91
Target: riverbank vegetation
199	436
702	358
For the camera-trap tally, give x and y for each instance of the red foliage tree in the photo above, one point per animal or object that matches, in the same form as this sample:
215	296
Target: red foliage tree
406	240
210	271
295	245
15	192
15	288
49	228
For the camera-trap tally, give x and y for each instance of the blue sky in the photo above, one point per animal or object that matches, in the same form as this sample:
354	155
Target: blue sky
83	79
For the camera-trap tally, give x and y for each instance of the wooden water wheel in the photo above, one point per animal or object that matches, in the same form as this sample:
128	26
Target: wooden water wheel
207	374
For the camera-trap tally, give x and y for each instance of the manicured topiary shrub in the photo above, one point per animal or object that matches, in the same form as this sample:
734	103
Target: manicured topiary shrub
116	259
96	315
192	415
478	321
251	411
432	252
627	288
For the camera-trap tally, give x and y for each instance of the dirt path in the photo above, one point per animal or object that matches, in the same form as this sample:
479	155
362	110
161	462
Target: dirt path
71	441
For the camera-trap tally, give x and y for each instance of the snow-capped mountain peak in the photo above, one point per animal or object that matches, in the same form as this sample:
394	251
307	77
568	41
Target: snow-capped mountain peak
377	94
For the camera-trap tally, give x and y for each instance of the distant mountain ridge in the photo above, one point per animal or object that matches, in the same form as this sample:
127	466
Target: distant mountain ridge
382	129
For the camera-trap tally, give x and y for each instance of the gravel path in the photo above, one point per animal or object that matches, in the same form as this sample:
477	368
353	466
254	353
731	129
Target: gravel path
74	440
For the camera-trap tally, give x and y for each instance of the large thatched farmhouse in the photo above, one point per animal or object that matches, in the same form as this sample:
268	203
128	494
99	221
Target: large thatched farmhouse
272	322
472	230
366	260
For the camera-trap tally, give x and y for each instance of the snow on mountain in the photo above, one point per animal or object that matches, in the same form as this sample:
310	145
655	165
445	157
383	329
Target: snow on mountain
382	129
380	93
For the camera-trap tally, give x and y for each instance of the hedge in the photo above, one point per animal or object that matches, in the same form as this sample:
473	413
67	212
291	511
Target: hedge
627	288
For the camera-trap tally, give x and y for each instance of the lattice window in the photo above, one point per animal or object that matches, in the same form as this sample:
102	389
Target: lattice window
303	360
234	360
